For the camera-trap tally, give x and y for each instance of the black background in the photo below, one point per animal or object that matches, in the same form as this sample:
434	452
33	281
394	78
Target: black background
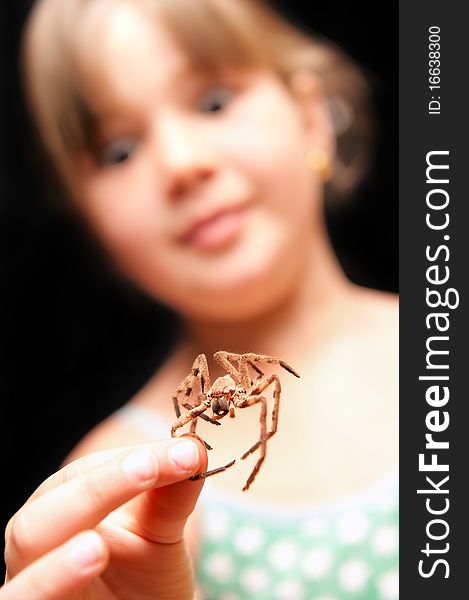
74	343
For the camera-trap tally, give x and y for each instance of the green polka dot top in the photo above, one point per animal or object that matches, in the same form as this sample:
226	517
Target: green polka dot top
342	550
345	550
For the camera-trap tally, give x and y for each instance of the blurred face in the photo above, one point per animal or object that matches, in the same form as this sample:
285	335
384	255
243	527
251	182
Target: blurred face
198	189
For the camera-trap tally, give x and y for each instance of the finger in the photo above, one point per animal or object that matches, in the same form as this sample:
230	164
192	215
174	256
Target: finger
75	468
83	501
160	514
61	573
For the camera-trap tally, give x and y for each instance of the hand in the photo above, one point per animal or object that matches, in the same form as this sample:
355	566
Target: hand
108	526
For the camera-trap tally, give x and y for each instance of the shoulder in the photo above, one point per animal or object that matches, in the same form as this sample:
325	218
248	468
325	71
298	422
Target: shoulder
377	307
110	433
376	335
142	419
128	426
367	341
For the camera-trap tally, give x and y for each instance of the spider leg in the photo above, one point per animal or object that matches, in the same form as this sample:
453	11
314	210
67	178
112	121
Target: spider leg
212	472
193	412
223	359
241	374
193	426
270	360
177	410
256	368
250	401
201	363
211	420
190	415
263	439
258	388
199	371
186	387
202	416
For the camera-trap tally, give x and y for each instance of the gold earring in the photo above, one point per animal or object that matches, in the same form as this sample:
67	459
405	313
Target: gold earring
319	162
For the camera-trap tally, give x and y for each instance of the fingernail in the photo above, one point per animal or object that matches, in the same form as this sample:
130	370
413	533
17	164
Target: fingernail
86	550
139	465
184	454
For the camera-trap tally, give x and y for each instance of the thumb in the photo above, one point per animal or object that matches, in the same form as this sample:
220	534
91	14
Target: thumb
160	514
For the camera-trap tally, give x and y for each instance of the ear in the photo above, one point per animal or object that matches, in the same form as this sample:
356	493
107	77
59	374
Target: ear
308	91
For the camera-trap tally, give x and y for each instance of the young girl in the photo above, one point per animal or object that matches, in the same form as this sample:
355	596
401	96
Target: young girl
195	139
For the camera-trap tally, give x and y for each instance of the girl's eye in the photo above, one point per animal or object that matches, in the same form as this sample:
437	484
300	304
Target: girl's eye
117	152
215	99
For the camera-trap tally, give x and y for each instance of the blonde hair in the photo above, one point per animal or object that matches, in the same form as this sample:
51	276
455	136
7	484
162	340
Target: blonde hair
214	33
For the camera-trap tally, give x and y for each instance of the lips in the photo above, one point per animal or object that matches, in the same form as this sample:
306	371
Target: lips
215	231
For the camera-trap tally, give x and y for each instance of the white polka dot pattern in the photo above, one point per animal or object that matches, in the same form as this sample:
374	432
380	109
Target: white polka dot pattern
220	566
346	554
388	585
317	563
353	575
343	551
248	540
352	527
289	590
217	524
283	555
315	527
385	540
254	580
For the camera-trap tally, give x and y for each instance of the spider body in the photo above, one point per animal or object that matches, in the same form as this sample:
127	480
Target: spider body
222	395
235	390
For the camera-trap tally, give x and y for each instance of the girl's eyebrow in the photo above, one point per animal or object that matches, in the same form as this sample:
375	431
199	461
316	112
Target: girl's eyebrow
115	120
190	69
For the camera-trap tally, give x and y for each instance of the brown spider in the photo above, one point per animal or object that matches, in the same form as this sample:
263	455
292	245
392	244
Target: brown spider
235	390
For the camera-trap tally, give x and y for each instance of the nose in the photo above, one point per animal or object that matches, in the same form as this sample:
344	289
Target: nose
184	157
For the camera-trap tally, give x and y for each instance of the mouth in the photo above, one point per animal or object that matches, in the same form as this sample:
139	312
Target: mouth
216	231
